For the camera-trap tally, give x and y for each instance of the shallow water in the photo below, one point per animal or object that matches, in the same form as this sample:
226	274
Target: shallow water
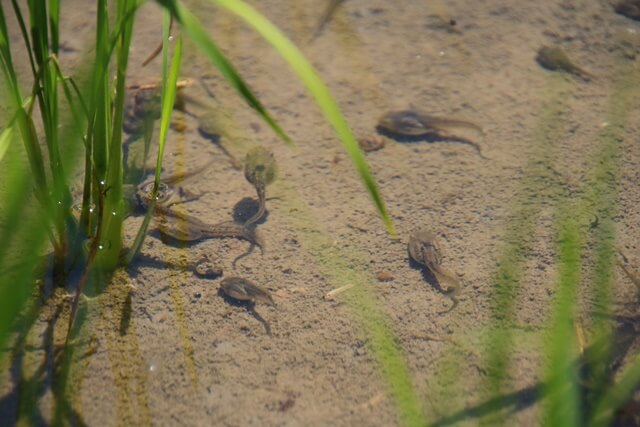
161	345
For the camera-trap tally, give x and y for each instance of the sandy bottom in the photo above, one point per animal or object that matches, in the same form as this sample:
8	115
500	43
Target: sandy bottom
160	344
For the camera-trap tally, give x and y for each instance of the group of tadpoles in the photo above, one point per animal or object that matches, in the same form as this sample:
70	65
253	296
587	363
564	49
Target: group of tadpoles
260	170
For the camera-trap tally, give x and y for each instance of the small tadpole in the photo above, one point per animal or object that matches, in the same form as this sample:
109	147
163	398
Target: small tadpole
260	170
244	292
412	125
424	249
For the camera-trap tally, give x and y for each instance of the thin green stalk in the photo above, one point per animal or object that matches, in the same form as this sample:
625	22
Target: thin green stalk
532	192
192	26
602	194
561	388
6	137
300	65
24	234
25	34
114	212
168	99
25	124
99	101
114	209
54	25
321	93
48	96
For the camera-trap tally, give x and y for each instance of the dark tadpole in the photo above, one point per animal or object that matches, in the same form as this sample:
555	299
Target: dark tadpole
243	293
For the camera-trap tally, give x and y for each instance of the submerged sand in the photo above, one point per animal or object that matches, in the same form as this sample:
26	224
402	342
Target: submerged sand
161	346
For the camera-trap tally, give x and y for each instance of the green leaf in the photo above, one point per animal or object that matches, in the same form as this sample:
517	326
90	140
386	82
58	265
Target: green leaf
303	69
5	139
198	34
617	395
169	90
320	92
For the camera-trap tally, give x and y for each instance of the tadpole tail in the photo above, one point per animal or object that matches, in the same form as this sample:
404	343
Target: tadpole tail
445	122
260	319
467	141
476	146
233	230
252	235
183	176
255	239
453	290
454	304
443	276
243	255
262	201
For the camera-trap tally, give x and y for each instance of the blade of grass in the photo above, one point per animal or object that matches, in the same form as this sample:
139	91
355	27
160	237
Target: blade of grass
344	268
532	192
54	25
616	396
320	92
198	34
602	193
5	139
305	71
561	405
27	129
22	235
100	100
114	211
47	98
168	99
25	34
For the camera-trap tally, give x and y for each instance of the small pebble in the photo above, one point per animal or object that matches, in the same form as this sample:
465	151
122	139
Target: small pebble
208	268
371	143
384	276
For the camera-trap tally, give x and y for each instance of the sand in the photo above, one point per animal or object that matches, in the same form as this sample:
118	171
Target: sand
161	346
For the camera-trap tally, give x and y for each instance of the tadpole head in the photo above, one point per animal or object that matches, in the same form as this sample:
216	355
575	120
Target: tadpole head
260	167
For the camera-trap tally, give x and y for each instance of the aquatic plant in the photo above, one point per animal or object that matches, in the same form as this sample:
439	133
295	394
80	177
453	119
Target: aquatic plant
90	122
62	123
87	123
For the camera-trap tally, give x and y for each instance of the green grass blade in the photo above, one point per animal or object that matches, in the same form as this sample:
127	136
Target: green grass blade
617	395
300	65
25	124
5	140
198	34
54	25
22	233
67	86
168	99
532	192
603	194
320	92
25	34
114	206
561	387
